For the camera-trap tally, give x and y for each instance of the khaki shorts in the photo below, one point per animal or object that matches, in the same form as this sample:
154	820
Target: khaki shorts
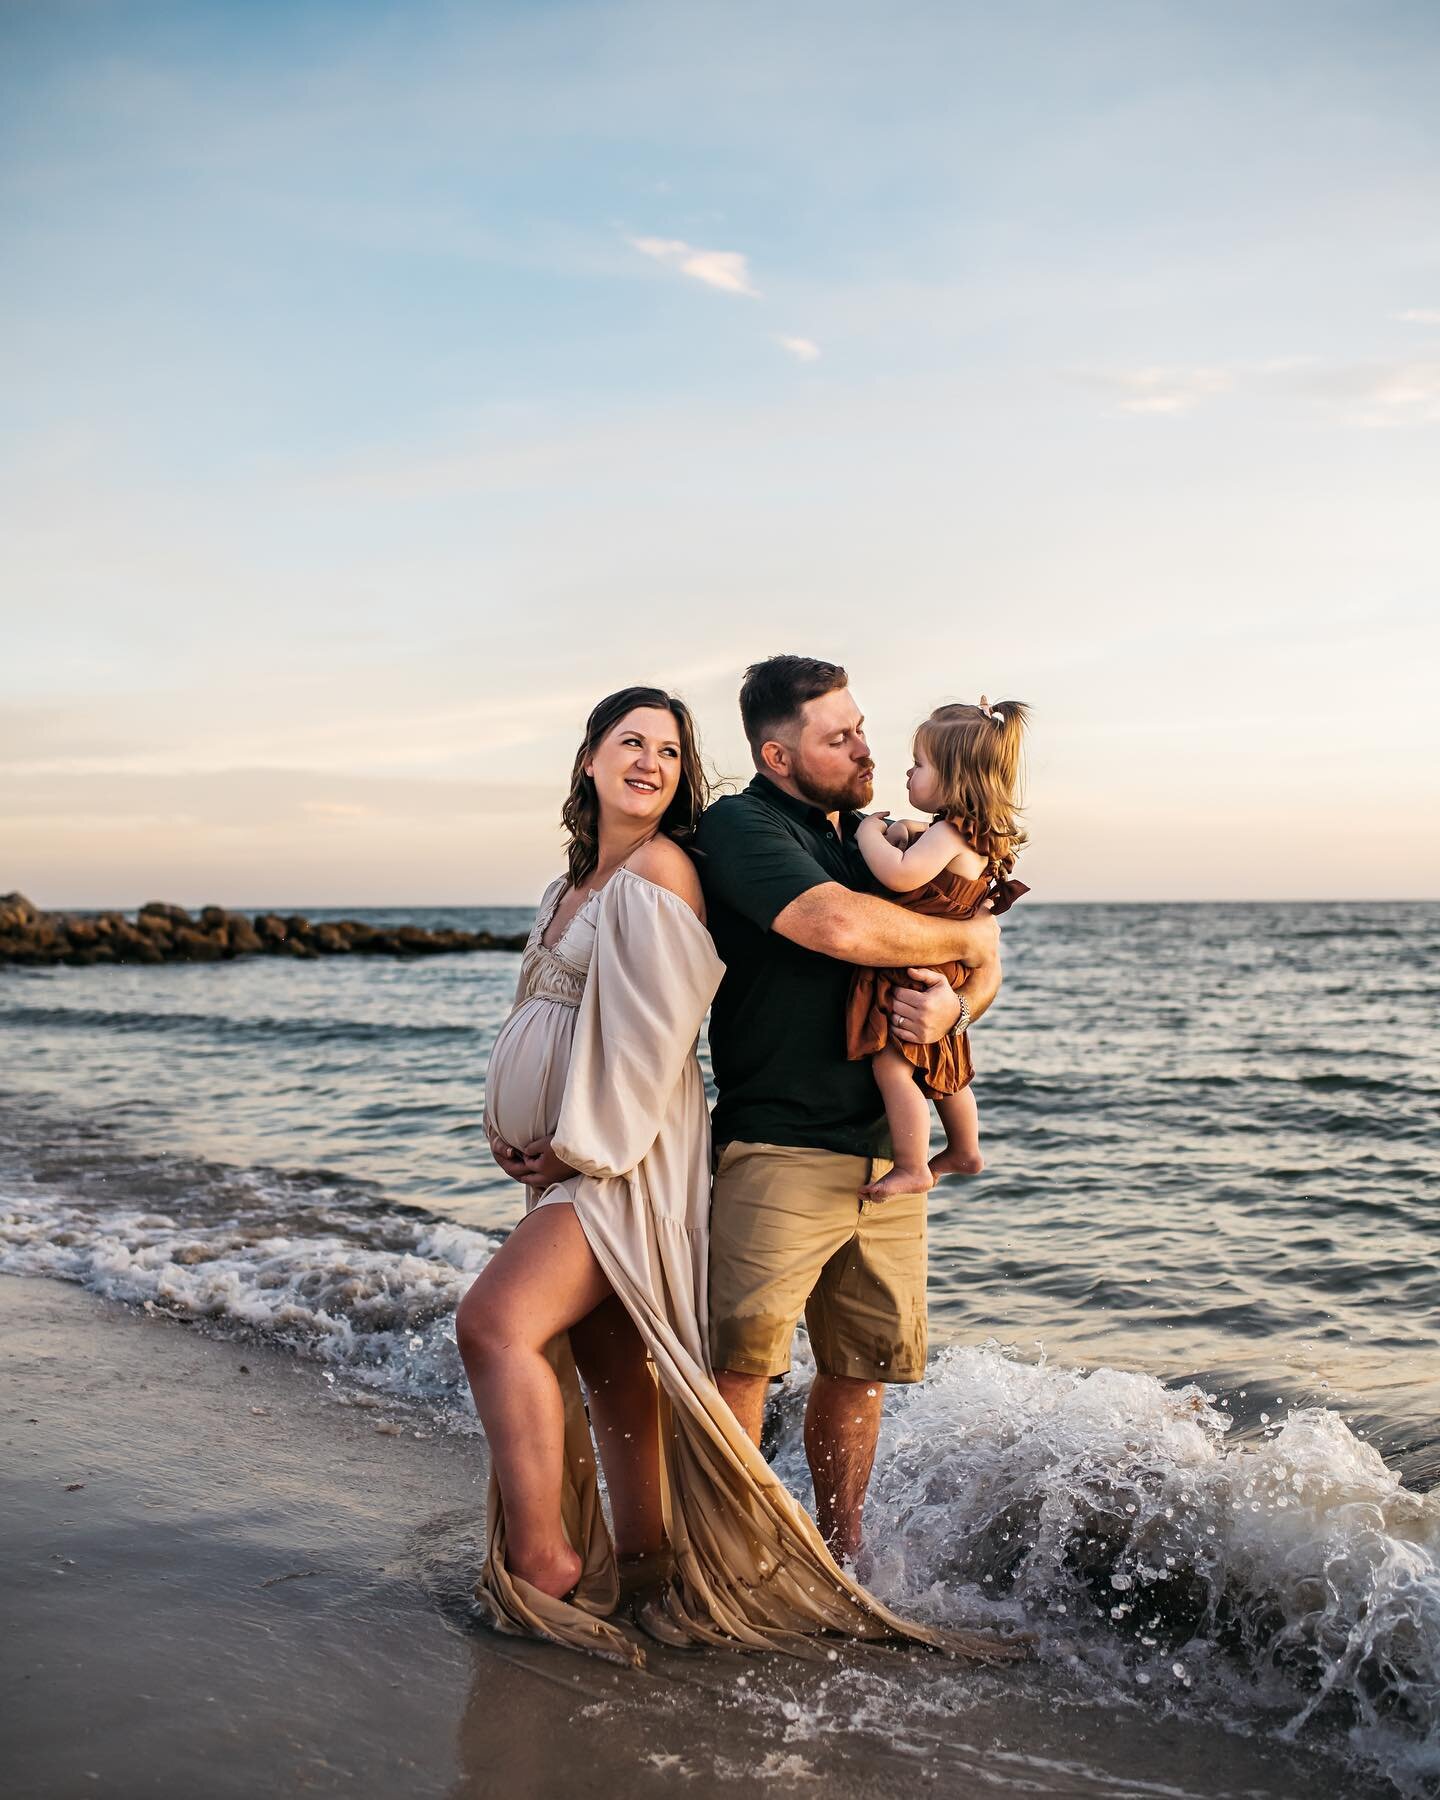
790	1233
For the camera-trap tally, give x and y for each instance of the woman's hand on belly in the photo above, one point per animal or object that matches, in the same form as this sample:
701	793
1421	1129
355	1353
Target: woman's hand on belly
511	1160
542	1167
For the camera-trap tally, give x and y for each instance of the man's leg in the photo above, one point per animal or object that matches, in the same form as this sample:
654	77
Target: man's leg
745	1396
842	1425
867	1327
777	1215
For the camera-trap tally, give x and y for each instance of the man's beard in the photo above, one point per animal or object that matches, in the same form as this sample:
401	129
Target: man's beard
853	794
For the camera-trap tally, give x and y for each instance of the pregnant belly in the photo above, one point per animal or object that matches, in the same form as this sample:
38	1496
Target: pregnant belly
525	1082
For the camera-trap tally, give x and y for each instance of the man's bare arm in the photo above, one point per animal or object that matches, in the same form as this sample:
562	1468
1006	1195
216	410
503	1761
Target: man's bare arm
982	985
861	928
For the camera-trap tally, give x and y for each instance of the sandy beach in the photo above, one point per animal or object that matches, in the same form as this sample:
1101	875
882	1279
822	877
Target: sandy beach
228	1575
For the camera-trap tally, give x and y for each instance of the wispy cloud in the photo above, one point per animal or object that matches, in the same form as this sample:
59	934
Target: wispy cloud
1166	391
1378	394
1420	315
1370	394
800	348
727	270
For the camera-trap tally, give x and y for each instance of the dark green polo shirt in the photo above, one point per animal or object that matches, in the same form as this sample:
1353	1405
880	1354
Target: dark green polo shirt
777	1028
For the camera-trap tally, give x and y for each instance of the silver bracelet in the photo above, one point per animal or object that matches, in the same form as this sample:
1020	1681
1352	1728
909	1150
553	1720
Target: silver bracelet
963	1022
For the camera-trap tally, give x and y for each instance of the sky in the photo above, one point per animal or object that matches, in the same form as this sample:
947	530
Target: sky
380	385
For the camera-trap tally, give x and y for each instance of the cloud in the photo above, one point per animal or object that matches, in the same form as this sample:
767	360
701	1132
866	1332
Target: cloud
1167	391
1420	315
727	270
1368	394
800	348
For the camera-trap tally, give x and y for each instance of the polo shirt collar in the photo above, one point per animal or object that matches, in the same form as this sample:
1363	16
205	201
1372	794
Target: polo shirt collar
801	810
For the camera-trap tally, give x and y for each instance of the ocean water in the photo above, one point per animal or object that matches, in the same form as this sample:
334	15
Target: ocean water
1181	1417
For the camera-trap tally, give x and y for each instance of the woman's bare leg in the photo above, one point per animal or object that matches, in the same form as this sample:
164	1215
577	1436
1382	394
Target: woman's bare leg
543	1279
610	1355
908	1113
961	1118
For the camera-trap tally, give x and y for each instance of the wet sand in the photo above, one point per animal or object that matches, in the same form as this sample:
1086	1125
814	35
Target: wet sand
224	1578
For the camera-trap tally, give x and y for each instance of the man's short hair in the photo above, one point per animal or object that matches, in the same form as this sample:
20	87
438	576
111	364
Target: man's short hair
774	691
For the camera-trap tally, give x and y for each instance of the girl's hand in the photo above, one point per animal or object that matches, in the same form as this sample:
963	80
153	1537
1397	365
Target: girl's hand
877	824
543	1168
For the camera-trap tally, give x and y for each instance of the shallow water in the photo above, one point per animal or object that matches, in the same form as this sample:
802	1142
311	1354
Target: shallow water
1182	1414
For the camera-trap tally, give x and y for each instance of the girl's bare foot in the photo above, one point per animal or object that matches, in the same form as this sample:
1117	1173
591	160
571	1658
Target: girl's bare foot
956	1162
554	1575
897	1182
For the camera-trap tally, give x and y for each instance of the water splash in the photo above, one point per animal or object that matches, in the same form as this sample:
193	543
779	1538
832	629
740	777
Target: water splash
1288	1580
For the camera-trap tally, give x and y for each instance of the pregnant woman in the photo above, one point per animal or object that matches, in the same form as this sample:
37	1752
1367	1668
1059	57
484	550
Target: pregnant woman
594	1100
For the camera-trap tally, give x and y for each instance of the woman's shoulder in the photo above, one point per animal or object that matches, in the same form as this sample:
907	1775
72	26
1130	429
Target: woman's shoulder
663	862
552	893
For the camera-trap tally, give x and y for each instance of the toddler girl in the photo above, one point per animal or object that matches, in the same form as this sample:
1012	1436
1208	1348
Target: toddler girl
965	772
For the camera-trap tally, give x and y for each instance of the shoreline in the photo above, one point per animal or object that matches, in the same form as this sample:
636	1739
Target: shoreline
230	1575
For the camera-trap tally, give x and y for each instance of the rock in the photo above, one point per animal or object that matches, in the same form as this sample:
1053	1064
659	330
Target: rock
195	946
161	932
21	952
414	939
132	946
16	912
374	943
244	939
160	909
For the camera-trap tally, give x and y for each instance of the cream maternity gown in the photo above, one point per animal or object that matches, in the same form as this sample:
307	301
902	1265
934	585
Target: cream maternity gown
600	1050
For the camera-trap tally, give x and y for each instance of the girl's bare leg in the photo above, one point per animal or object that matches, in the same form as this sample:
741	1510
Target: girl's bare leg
961	1118
541	1282
908	1113
610	1355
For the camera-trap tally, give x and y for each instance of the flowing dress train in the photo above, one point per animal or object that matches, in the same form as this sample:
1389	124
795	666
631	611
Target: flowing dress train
600	1049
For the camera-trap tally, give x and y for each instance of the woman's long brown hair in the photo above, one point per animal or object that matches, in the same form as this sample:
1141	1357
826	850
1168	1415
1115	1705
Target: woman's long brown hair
581	813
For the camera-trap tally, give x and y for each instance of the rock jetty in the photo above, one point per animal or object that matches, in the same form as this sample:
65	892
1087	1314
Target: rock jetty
160	933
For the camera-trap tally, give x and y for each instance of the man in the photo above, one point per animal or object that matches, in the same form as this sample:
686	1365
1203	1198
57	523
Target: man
798	1129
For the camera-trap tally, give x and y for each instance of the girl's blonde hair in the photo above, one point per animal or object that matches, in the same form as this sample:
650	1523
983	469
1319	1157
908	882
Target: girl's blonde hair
975	751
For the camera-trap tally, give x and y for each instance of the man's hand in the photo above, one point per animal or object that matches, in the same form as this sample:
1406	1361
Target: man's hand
543	1168
927	1012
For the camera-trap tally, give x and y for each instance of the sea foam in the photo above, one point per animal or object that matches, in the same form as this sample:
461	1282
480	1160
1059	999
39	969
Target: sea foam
1287	1583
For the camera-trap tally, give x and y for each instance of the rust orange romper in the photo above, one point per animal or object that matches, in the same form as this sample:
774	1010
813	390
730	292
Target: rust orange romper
942	1068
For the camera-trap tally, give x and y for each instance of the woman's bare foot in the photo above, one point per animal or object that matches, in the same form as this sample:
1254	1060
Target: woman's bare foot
956	1162
897	1182
554	1575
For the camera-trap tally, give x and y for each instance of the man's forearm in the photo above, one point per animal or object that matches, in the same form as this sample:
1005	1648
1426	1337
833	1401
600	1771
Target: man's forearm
982	984
875	933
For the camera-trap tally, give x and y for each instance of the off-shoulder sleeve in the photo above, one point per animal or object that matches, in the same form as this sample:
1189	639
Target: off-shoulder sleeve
653	973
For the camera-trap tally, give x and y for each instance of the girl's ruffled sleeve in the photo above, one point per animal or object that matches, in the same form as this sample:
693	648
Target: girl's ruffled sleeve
653	974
